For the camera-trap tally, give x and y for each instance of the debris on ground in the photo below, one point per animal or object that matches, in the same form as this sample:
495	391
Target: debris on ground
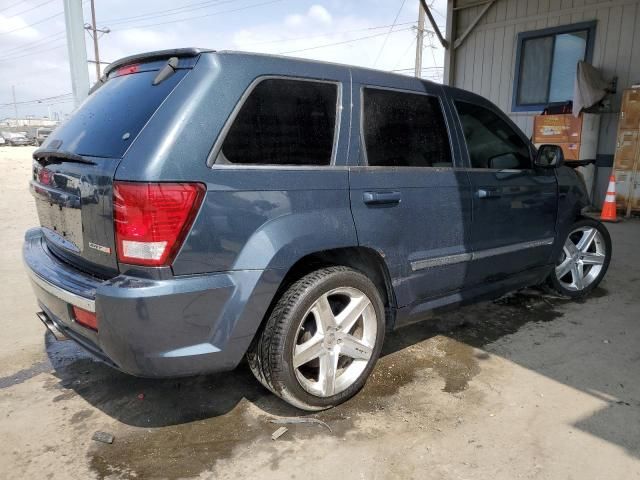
279	432
292	420
141	396
103	437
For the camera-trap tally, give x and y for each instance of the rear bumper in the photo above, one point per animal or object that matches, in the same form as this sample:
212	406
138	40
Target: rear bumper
154	328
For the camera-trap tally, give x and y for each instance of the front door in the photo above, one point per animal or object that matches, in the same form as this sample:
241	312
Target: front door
514	204
409	202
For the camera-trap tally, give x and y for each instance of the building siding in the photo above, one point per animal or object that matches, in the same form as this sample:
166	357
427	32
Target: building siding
485	62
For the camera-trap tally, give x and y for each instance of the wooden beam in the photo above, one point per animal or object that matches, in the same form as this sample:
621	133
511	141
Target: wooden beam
434	25
471	5
470	28
448	76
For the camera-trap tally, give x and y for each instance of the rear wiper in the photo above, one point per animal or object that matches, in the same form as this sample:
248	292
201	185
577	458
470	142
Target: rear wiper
60	155
168	70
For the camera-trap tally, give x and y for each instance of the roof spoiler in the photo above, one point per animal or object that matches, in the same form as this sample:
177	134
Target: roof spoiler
157	55
142	57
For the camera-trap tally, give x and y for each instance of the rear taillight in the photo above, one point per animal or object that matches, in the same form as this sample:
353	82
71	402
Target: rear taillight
85	318
152	219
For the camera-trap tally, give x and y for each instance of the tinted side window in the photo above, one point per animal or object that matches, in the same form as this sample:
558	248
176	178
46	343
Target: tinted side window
404	130
284	122
491	141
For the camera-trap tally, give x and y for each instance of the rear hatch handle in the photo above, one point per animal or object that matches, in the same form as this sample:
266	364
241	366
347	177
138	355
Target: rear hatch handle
60	155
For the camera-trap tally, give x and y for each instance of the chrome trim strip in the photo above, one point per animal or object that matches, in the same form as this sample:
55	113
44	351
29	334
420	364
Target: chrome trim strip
512	248
69	297
440	261
466	257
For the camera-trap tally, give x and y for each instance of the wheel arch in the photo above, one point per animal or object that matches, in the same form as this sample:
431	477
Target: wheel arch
362	259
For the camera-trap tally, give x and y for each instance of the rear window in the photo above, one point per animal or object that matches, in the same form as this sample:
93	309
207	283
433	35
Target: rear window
284	122
111	118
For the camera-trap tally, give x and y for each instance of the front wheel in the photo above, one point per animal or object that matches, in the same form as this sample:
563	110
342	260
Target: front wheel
584	259
321	340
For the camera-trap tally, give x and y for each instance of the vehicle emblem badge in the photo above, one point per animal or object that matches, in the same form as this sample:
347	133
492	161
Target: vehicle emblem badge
100	248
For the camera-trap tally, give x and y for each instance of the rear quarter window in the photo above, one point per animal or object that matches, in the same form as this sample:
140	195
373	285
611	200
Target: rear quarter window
284	122
110	119
403	129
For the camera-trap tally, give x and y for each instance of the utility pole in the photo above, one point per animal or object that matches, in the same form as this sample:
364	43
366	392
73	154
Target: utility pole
419	41
77	49
93	31
15	104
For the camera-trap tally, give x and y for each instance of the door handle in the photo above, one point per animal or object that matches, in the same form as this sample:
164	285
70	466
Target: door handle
381	198
487	193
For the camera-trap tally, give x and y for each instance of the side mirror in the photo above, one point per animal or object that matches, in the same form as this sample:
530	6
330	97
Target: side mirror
549	156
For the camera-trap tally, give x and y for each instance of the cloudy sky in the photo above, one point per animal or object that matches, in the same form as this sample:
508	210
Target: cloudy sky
371	33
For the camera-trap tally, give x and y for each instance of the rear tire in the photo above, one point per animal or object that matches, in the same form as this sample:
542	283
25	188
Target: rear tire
322	339
583	261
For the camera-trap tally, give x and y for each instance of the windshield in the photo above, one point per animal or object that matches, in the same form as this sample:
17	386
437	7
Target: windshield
110	119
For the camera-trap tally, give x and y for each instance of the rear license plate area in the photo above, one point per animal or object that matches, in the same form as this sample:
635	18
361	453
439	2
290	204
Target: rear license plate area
62	223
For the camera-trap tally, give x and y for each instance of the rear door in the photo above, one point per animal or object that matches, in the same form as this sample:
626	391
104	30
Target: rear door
74	170
409	201
514	205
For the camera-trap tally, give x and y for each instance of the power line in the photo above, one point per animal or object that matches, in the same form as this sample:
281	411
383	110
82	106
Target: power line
30	9
412	68
37	100
343	42
32	24
36	23
11	6
404	54
8	59
395	20
133	27
35	44
165	13
294	39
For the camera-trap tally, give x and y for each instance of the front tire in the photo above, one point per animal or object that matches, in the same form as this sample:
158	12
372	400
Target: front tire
583	261
322	339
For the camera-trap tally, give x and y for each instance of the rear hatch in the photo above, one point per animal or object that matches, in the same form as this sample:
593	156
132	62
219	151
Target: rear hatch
73	171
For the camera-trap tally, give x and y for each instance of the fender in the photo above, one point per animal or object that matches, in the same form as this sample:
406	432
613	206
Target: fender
281	242
573	199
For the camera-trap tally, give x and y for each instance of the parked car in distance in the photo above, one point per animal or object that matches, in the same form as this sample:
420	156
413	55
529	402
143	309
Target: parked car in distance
15	139
290	212
41	135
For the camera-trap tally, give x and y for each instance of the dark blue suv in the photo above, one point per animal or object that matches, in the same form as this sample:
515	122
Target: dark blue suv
201	207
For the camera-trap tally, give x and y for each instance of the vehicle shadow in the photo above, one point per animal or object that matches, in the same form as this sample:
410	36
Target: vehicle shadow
222	412
154	403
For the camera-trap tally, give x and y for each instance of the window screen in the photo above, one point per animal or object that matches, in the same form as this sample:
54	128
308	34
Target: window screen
284	122
404	130
491	141
547	68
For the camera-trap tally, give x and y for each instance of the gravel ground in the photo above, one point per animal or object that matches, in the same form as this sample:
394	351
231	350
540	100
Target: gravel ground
529	386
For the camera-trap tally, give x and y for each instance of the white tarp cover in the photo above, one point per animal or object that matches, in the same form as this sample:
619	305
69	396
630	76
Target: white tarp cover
589	89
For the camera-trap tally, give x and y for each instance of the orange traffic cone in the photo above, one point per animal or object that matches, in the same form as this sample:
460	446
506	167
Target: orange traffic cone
609	207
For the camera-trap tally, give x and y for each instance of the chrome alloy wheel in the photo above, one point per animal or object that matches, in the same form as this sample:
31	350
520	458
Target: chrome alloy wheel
335	341
582	258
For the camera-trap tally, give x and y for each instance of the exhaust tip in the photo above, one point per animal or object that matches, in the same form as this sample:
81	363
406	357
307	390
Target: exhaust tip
51	326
